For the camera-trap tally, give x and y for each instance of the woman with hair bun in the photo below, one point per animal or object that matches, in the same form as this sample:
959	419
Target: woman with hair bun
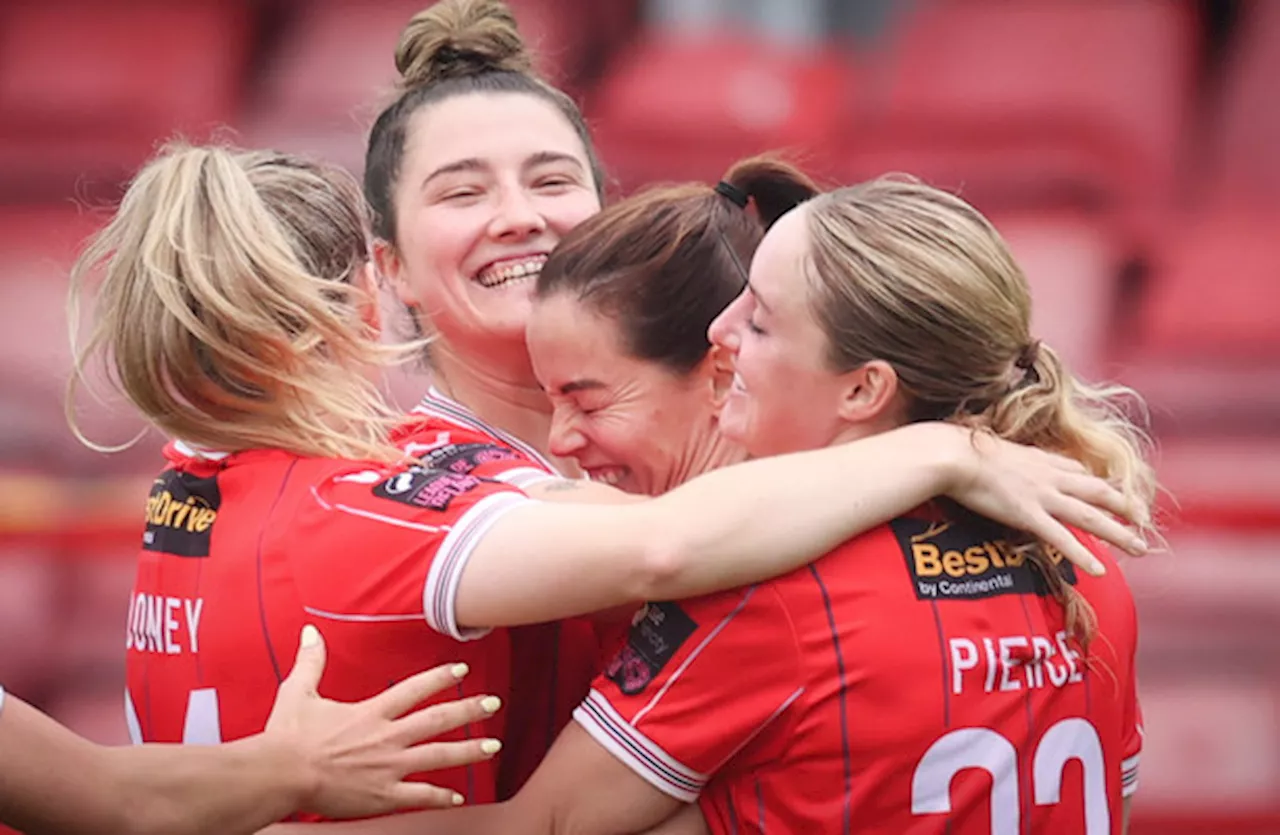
870	689
475	172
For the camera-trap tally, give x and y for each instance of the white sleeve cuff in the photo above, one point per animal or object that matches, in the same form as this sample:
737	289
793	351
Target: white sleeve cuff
635	750
1129	776
440	594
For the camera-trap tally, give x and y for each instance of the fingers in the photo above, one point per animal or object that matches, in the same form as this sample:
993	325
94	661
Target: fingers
423	796
1099	493
1090	519
433	756
441	718
401	697
308	665
1049	530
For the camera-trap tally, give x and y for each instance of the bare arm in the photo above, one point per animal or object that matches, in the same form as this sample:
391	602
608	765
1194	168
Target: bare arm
315	755
688	821
579	789
547	561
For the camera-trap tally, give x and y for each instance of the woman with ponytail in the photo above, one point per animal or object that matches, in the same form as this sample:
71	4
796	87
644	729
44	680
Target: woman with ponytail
872	688
475	172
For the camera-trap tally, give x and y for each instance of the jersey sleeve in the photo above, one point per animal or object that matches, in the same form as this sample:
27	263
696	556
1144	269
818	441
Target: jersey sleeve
466	451
1132	727
695	682
400	541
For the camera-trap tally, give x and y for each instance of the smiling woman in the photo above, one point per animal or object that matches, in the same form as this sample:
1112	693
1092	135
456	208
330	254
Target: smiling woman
474	173
466	208
619	331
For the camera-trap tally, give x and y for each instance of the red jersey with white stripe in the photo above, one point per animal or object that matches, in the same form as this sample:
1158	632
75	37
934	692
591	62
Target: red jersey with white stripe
552	664
917	679
242	550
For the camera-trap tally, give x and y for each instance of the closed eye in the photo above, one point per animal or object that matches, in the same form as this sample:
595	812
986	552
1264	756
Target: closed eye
556	182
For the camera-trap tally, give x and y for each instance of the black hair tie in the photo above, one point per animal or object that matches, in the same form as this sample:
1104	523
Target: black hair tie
734	194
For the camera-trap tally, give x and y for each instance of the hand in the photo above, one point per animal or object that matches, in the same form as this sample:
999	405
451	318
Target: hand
1039	492
354	757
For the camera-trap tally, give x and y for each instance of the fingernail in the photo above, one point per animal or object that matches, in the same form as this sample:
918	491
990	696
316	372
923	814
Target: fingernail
458	799
1138	547
1097	569
310	636
490	746
490	704
459	670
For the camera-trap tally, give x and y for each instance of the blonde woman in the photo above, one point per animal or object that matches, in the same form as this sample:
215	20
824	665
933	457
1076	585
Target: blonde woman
941	673
236	310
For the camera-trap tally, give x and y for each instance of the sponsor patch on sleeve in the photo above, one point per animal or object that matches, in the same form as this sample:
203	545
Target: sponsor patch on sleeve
180	514
463	458
429	488
962	561
657	633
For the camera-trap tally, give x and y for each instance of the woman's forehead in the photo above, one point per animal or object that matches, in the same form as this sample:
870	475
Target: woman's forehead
492	128
778	266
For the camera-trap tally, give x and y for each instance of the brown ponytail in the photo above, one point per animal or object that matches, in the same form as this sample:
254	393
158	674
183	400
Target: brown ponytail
665	262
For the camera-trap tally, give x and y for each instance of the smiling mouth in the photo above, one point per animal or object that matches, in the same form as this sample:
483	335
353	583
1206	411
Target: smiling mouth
510	271
606	475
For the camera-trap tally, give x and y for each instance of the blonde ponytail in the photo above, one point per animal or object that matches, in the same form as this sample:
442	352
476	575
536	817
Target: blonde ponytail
228	310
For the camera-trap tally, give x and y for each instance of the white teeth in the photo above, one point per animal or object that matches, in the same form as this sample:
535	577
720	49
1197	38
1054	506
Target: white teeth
509	271
610	477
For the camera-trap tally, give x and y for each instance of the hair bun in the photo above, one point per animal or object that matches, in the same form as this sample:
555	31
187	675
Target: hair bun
455	38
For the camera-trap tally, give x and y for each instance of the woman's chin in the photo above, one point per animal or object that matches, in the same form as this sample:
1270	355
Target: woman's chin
733	420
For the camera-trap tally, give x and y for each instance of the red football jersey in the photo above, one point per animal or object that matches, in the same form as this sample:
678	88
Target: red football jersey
242	550
552	664
916	679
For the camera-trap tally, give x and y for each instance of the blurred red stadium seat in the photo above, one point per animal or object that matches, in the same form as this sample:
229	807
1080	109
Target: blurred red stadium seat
1223	483
1216	289
678	106
1030	103
1245	150
335	69
88	88
1205	349
37	247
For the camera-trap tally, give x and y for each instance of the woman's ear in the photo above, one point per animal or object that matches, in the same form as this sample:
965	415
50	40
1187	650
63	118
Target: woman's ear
366	280
871	396
717	365
388	264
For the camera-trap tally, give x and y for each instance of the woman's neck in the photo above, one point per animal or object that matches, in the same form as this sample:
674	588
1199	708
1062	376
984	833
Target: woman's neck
710	452
507	398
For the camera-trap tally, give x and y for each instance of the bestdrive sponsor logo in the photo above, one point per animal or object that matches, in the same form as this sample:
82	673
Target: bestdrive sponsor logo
962	561
181	512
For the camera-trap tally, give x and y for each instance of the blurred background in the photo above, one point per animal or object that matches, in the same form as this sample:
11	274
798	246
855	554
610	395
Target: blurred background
1128	149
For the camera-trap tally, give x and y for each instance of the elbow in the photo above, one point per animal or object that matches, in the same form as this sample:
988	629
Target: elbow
665	561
